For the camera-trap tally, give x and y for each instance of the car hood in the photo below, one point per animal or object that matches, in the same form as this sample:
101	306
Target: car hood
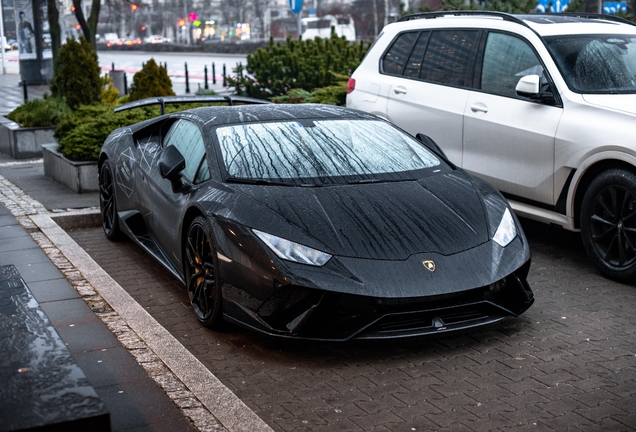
442	214
625	103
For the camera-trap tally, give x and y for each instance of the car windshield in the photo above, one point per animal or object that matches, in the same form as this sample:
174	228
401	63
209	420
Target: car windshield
321	152
596	63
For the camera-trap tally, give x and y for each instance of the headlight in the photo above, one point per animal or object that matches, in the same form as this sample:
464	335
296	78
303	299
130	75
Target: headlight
291	251
507	231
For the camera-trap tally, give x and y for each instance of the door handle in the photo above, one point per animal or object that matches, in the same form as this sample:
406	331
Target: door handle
399	90
479	107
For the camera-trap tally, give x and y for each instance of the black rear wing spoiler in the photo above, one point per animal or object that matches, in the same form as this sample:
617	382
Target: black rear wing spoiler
163	100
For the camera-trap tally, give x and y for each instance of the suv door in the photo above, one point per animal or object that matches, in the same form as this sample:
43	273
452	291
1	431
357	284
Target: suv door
509	140
433	73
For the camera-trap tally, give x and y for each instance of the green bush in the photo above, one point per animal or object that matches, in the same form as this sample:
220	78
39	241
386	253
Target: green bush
335	94
41	112
76	75
150	81
298	64
81	136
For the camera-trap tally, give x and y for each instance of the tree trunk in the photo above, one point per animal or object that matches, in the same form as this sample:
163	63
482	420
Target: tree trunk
89	28
54	24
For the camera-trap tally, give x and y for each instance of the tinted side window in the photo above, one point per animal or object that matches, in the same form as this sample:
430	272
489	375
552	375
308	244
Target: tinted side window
506	59
395	57
448	57
414	63
186	137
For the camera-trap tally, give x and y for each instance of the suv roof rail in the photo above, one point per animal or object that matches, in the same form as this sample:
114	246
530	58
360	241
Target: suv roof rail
604	17
427	15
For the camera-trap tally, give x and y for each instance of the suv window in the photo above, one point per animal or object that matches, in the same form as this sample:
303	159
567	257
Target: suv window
506	59
186	137
393	62
414	64
448	57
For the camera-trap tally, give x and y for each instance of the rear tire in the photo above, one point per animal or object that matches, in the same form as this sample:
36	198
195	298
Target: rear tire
202	273
108	203
608	224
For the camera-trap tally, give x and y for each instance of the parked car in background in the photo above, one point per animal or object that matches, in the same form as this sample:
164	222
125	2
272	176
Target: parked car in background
543	107
155	39
313	222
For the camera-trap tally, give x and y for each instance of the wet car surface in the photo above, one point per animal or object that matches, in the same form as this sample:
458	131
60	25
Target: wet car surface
568	363
314	222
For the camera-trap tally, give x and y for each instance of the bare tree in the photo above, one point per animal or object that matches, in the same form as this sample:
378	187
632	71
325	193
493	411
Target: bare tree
89	27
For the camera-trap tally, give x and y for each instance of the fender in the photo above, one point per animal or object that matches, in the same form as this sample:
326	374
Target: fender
582	169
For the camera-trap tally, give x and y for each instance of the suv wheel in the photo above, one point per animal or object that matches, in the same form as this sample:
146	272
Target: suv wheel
608	224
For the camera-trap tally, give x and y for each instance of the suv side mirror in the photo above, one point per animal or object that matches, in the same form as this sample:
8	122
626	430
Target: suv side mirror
529	86
171	163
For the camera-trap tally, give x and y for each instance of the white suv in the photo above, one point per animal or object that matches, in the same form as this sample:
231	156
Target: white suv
540	106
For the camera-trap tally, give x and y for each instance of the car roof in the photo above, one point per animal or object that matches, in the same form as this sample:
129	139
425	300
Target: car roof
541	24
220	115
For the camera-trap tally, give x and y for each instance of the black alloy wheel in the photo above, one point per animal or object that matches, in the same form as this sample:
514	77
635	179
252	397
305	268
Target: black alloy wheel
107	203
608	224
202	276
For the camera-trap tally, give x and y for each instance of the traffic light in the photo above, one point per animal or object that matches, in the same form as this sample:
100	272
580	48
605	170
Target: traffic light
72	8
181	22
133	7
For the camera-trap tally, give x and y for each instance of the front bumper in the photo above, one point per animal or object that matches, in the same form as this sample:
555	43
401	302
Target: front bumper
305	313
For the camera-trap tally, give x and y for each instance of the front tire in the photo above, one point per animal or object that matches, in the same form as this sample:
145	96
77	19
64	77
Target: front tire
108	204
202	273
608	224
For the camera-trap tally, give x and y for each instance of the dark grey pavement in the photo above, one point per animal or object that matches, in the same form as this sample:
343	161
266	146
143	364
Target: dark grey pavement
569	363
134	400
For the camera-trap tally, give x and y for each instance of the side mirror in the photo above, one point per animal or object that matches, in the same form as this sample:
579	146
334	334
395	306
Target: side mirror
529	86
171	163
432	146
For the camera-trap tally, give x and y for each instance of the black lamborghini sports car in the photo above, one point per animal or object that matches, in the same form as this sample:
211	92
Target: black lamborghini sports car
314	222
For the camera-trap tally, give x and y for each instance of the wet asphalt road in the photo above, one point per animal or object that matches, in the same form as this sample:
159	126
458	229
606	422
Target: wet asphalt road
568	363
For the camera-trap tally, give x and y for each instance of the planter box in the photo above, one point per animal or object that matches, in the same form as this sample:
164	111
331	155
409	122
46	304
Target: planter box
79	177
23	143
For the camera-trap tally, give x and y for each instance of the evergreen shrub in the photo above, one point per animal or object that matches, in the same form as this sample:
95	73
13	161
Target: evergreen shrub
41	112
151	81
335	94
81	136
76	75
299	64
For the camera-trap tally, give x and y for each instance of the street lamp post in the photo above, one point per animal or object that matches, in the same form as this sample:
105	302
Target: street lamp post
4	70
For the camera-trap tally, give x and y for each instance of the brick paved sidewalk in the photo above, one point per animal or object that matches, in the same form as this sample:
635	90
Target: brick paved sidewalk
569	363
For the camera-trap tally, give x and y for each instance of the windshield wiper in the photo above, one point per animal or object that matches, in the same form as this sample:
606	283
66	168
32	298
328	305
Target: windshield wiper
268	182
376	180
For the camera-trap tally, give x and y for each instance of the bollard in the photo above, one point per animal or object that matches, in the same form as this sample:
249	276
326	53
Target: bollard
213	74
187	79
112	66
223	74
125	84
205	77
24	91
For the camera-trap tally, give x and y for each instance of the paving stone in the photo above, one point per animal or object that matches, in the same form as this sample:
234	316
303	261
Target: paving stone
537	372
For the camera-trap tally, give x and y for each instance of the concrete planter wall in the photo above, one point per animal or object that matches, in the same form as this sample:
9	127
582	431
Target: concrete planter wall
79	177
23	143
